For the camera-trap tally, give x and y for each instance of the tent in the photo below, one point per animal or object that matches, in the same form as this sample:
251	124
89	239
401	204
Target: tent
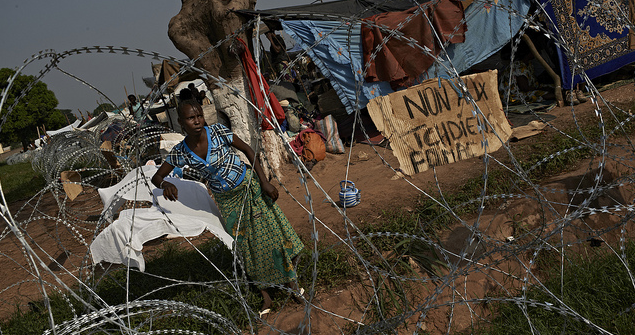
333	10
167	69
70	127
334	42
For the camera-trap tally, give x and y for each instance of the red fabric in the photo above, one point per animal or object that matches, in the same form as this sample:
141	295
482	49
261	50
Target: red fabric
397	62
256	93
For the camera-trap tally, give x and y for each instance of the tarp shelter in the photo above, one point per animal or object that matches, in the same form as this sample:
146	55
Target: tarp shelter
168	69
333	10
70	127
333	40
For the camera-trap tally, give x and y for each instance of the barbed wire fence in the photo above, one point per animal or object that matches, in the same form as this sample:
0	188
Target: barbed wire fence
45	243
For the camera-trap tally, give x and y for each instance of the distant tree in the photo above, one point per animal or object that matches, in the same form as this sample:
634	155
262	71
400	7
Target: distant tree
67	116
105	107
60	118
35	109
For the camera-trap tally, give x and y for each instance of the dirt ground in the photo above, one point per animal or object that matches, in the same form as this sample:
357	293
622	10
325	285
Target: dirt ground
372	171
380	186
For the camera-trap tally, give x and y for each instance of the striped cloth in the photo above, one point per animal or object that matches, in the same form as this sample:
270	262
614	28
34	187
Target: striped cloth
328	128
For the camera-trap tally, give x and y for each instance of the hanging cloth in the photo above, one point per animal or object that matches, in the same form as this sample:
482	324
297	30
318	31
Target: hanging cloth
399	63
257	96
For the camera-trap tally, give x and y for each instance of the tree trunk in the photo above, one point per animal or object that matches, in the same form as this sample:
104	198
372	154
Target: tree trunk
201	24
198	26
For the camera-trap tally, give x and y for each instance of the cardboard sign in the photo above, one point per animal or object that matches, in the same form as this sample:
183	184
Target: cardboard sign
431	124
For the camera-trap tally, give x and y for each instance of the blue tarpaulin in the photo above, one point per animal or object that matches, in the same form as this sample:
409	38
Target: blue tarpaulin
489	28
338	55
335	47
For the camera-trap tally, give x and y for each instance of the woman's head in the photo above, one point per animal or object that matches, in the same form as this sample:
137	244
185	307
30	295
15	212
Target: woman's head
191	116
186	104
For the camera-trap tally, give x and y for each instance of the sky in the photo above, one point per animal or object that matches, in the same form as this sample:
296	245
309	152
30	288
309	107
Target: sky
29	26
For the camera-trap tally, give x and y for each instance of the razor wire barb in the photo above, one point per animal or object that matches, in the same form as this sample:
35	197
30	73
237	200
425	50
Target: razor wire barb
561	219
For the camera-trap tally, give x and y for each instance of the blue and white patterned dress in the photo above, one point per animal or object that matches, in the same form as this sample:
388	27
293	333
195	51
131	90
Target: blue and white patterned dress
262	232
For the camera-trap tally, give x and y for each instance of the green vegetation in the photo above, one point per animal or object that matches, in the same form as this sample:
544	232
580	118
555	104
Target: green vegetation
19	181
35	109
334	268
68	114
192	269
597	287
36	320
552	154
181	275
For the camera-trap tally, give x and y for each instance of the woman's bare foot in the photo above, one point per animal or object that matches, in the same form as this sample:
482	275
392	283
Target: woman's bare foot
266	304
298	292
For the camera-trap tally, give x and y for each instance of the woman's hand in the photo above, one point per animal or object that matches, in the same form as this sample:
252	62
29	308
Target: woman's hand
170	192
265	185
269	190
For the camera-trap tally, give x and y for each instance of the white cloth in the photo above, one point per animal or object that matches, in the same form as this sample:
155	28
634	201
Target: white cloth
168	141
70	127
131	187
122	241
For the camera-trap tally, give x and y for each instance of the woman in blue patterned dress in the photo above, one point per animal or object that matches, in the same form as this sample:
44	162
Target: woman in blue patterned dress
263	235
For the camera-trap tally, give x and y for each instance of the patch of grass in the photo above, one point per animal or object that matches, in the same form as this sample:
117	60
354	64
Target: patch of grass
334	268
597	287
19	181
564	157
35	320
189	267
400	247
556	153
182	270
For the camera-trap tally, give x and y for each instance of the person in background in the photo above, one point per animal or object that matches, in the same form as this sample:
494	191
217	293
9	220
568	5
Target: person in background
277	50
519	77
246	200
185	94
203	99
135	108
193	89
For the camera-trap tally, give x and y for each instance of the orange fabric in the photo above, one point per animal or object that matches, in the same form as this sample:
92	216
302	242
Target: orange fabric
256	93
397	62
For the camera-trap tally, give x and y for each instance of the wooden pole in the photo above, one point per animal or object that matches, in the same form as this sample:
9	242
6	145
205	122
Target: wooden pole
552	73
82	115
167	112
134	88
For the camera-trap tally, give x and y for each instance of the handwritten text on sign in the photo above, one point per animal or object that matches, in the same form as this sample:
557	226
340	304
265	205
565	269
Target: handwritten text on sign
431	125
